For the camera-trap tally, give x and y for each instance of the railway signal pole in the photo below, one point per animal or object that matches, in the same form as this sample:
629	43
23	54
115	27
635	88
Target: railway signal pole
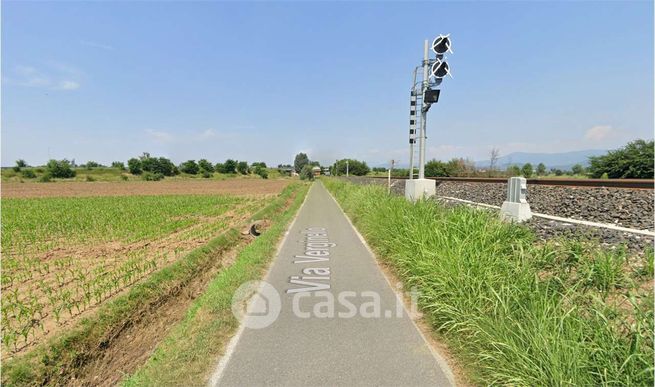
423	95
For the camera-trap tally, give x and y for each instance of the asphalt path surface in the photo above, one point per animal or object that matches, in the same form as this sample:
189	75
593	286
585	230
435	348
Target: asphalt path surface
322	261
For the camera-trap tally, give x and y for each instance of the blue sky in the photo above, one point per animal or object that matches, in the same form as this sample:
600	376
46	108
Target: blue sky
256	81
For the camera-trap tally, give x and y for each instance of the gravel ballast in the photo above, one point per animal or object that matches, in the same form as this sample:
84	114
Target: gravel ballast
631	208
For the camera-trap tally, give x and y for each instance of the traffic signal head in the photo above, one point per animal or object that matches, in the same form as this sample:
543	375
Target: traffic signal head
440	69
441	44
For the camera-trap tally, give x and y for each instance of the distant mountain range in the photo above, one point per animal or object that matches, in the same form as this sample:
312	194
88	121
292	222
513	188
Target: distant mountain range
564	160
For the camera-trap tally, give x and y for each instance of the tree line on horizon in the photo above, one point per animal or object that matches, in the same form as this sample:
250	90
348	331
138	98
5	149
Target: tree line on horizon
634	160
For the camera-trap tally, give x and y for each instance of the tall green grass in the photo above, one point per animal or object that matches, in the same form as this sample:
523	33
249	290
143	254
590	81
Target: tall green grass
514	311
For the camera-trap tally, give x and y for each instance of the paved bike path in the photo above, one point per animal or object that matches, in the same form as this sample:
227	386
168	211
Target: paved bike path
359	350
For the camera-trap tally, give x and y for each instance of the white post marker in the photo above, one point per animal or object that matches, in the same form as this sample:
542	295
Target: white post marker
516	207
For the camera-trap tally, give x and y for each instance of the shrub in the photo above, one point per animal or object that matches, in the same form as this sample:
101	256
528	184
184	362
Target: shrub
45	178
134	166
28	174
190	167
89	178
206	165
206	174
261	171
16	168
306	173
61	169
242	167
635	160
91	164
118	165
152	176
124	178
436	168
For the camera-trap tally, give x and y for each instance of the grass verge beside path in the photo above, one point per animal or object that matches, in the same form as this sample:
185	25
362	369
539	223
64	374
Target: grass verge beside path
61	359
516	311
187	356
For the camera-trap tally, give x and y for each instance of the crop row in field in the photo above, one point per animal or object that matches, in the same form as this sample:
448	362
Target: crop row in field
63	256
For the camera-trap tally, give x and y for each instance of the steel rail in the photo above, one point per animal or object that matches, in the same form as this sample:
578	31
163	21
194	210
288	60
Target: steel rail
591	183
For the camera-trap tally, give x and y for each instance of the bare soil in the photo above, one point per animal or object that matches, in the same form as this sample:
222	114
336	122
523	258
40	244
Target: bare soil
129	188
132	345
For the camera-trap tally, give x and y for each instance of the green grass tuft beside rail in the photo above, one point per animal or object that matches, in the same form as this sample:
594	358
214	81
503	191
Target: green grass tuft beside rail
515	311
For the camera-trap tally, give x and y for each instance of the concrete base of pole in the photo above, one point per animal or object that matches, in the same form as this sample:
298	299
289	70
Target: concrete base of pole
515	212
416	189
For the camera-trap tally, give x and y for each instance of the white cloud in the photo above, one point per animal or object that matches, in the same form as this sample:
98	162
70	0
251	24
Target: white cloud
59	77
68	85
160	136
599	133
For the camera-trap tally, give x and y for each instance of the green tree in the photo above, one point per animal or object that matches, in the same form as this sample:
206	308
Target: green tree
513	171
577	169
60	169
229	166
355	167
541	169
20	163
118	165
635	160
242	167
527	170
190	167
205	165
300	161
134	166
160	165
259	164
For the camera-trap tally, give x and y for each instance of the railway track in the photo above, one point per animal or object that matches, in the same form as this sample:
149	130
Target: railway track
592	183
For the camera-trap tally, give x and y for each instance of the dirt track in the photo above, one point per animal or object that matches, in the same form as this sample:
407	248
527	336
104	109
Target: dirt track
175	187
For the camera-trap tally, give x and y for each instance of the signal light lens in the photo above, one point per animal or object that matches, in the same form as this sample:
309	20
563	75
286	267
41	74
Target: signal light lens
441	44
439	69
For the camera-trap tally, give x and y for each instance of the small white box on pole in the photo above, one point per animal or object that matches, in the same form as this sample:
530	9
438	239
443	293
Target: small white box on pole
516	207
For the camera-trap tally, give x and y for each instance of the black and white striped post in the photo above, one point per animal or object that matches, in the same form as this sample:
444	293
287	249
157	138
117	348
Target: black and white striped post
412	132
